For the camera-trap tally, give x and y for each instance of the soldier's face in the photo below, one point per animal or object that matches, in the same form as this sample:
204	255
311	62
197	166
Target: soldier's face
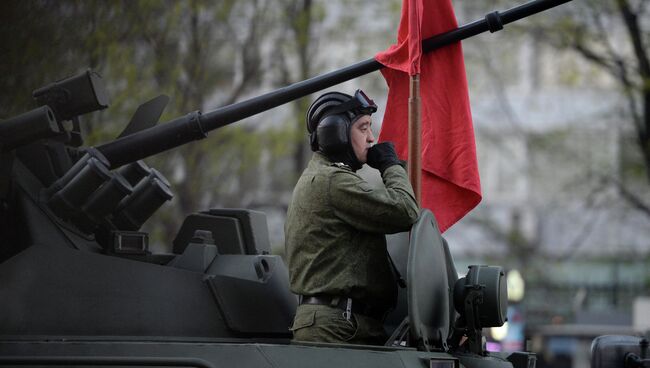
361	137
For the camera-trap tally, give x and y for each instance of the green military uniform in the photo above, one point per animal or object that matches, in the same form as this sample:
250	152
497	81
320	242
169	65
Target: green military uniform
336	246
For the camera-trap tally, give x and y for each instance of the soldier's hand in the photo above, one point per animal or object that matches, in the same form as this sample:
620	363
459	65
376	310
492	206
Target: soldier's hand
382	156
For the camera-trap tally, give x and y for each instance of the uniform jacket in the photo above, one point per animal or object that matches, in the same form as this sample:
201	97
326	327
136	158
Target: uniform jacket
335	231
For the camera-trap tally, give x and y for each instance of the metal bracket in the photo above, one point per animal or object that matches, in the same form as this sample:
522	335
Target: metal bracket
494	21
194	123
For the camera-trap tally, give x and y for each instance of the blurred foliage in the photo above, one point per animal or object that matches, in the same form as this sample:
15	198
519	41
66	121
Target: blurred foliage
200	53
203	55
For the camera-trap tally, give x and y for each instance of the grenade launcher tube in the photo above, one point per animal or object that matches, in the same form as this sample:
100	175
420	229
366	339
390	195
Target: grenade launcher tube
195	125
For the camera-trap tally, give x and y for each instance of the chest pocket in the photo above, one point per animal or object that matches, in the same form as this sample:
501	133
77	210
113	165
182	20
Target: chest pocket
365	187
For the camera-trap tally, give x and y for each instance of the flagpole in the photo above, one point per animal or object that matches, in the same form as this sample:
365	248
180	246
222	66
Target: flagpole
415	137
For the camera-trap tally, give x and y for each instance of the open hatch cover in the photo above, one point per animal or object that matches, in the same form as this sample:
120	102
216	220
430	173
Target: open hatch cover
427	285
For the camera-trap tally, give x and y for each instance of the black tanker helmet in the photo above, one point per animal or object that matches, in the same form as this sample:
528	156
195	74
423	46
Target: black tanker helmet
329	120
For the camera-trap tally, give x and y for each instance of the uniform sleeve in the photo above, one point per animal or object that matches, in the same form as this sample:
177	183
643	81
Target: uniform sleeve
386	210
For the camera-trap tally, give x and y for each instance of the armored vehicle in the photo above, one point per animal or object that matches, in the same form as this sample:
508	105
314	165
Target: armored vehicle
79	285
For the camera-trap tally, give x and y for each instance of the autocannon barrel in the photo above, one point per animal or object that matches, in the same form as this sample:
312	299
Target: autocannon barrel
195	125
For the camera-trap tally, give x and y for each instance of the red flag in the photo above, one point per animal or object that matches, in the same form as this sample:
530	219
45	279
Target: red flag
450	181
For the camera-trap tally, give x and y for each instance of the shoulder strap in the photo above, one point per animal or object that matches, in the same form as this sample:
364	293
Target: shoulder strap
341	165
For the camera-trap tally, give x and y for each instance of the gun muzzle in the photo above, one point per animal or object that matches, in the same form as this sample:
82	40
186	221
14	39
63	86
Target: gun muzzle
28	127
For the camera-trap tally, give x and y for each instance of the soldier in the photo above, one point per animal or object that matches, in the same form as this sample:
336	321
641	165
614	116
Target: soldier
336	226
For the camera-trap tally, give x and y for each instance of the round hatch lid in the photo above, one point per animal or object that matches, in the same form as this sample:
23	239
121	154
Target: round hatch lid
427	285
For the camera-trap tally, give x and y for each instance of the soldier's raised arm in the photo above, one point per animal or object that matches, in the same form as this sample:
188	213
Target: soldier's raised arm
388	209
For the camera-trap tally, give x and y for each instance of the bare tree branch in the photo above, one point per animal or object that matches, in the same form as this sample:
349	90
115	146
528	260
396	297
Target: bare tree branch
585	38
631	22
635	33
636	201
249	52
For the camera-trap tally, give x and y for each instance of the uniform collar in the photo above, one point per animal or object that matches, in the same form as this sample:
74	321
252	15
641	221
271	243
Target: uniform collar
322	160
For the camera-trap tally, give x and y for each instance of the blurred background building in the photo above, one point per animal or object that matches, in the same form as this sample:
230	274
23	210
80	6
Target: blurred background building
565	191
561	107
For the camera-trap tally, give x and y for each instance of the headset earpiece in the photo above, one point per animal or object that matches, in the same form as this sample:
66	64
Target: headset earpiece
333	134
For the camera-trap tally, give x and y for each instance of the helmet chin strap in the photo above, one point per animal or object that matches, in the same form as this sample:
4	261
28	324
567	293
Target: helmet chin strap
348	158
